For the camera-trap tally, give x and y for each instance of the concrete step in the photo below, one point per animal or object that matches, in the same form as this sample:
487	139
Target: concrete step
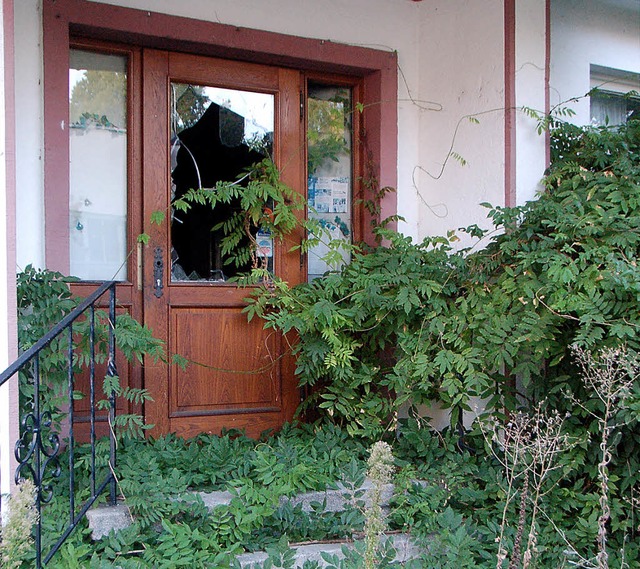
103	519
405	548
335	499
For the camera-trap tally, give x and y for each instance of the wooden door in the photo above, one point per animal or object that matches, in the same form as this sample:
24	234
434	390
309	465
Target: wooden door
194	110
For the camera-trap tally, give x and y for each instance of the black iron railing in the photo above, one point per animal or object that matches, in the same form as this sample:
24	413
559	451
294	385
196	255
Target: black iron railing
37	451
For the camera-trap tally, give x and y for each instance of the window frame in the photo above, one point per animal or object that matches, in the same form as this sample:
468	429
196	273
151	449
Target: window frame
133	189
613	84
67	22
358	148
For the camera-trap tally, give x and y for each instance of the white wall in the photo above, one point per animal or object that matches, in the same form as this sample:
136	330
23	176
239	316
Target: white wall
461	75
600	32
9	419
5	404
530	91
29	135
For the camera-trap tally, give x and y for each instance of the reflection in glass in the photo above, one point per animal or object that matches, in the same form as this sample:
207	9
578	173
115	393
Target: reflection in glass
98	165
329	167
612	109
216	134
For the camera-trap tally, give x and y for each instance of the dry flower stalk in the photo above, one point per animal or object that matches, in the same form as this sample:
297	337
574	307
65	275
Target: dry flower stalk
16	541
380	472
527	446
610	377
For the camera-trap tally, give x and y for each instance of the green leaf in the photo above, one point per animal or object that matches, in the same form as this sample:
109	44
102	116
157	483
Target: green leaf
158	217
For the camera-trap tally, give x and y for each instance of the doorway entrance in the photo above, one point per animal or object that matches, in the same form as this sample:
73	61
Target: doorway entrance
146	128
206	121
73	222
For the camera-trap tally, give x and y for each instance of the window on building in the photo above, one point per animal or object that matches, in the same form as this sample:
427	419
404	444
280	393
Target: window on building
615	96
330	172
97	165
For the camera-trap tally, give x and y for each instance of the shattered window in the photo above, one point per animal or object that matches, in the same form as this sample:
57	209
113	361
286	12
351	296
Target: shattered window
216	135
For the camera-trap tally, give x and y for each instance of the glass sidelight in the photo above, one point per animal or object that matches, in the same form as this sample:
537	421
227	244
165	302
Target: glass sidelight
216	135
329	169
98	165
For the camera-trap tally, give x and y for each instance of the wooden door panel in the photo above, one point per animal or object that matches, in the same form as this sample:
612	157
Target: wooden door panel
185	295
234	363
239	376
223	73
251	424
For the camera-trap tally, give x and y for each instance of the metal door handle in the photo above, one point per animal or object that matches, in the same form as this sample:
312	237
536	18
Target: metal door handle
139	267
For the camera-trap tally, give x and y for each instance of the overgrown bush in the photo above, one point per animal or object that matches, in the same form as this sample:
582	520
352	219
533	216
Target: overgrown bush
172	527
410	323
416	322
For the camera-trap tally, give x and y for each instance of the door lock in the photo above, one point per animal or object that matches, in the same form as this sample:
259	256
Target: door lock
158	270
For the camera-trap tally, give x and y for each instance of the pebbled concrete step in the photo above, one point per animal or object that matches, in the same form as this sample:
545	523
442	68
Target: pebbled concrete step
104	519
334	499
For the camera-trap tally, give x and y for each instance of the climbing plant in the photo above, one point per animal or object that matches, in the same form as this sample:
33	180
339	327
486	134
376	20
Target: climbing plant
43	299
411	322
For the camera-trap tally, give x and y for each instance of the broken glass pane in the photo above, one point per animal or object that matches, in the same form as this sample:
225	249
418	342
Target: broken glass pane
216	135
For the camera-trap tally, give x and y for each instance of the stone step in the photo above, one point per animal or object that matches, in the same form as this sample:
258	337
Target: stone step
335	499
405	548
103	519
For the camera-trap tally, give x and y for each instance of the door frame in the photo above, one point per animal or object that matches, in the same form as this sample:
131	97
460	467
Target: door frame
132	30
129	291
67	19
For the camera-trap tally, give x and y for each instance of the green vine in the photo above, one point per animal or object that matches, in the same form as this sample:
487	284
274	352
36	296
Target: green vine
410	323
43	299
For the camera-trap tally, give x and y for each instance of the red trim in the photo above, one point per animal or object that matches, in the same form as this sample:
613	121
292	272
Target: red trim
55	41
547	78
510	103
63	18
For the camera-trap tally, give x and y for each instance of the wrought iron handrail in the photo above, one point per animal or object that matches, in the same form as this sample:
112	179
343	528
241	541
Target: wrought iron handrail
38	457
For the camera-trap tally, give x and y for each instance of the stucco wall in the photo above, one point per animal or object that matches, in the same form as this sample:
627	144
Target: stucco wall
29	134
599	32
530	92
9	420
461	75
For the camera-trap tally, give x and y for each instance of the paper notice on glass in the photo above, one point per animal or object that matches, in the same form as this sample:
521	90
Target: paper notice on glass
265	243
329	195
